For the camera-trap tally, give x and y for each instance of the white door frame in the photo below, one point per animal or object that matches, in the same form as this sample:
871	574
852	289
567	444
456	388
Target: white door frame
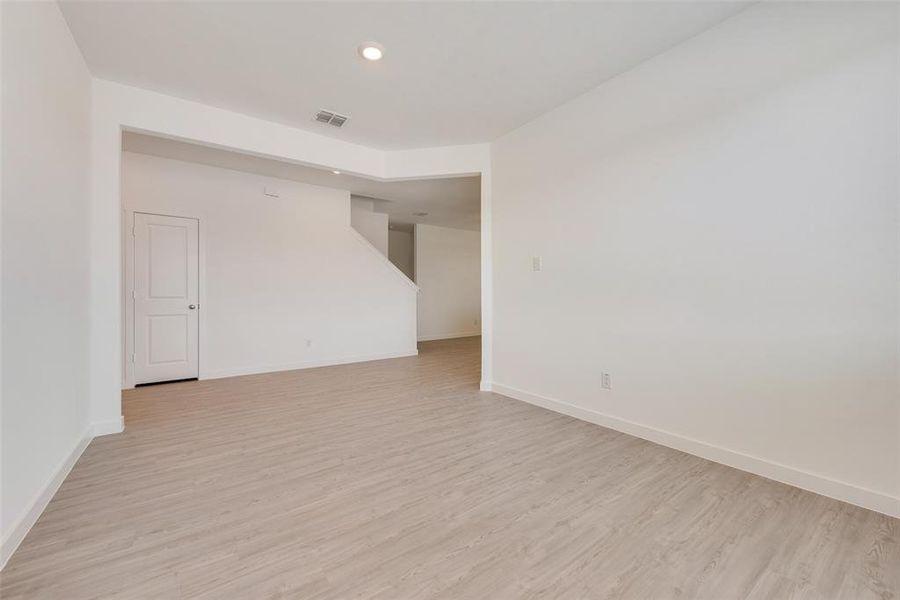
128	285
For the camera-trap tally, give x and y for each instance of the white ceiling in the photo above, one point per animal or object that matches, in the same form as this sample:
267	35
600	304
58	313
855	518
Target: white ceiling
453	72
450	202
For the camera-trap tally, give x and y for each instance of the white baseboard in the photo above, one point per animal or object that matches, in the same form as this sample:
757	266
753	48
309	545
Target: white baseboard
485	386
819	484
21	528
310	364
449	336
111	426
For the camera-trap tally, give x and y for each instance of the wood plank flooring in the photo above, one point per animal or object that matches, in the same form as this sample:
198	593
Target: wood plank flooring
399	479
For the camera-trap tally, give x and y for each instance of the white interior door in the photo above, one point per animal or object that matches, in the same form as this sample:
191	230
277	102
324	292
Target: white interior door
166	298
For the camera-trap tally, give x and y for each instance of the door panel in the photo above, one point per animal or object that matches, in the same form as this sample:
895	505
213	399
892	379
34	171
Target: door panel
166	295
168	268
166	339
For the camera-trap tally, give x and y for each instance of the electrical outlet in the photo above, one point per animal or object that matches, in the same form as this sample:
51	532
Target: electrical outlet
605	381
537	263
308	343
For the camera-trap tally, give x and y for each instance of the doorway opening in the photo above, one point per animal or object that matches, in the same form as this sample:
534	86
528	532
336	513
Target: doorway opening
164	276
296	266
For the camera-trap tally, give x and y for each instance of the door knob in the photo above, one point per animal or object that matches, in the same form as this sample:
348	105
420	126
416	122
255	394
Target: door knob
192	306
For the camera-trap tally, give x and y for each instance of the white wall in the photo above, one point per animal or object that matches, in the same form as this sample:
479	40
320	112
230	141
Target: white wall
719	232
447	270
372	225
400	251
276	272
117	106
45	243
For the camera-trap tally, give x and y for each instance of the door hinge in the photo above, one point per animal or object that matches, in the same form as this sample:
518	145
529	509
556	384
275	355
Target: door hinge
132	231
133	295
132	358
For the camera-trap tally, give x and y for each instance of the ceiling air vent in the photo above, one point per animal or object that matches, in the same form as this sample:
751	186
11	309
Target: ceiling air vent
331	118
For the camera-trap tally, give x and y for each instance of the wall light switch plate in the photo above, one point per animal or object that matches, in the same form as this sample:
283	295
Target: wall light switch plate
537	263
605	381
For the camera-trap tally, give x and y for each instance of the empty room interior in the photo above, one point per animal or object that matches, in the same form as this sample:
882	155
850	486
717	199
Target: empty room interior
488	300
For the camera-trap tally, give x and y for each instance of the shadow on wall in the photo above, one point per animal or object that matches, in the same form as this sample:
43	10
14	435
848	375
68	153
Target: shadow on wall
448	273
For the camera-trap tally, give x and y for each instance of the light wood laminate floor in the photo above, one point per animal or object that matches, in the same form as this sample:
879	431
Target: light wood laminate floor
399	479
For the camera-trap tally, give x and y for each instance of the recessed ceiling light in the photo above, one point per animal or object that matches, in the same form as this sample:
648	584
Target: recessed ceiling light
336	172
371	51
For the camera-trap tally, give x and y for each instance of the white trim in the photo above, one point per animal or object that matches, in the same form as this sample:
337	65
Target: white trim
309	364
485	386
449	336
487	278
18	531
819	484
109	427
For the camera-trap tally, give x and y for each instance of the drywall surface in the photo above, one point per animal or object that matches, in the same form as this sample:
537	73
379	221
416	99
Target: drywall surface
116	107
45	268
400	251
719	232
447	271
372	225
285	282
